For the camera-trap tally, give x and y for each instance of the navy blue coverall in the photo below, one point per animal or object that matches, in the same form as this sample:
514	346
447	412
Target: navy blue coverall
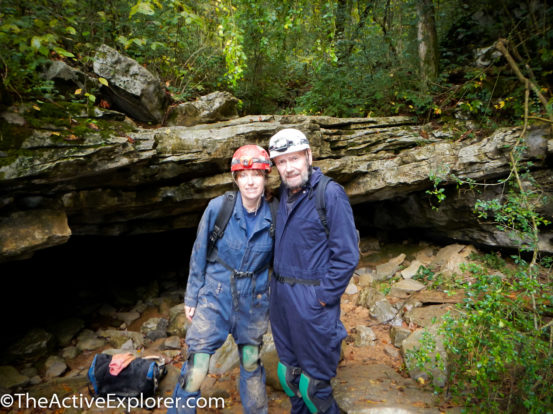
223	305
307	334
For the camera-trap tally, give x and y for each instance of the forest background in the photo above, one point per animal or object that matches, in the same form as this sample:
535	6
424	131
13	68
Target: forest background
468	65
346	58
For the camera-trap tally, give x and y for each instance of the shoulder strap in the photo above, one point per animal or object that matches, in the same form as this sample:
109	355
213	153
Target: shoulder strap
273	205
222	220
320	201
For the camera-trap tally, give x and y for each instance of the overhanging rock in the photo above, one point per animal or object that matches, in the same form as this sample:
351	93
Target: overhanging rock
153	180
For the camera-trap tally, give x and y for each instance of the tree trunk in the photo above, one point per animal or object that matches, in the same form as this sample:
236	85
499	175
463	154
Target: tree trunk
427	41
340	28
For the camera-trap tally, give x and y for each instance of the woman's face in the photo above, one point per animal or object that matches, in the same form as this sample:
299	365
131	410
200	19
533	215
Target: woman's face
251	184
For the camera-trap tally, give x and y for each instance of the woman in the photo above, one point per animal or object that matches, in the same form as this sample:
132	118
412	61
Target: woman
227	289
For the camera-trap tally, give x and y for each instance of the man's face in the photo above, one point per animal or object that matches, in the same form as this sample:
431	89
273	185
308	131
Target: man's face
294	168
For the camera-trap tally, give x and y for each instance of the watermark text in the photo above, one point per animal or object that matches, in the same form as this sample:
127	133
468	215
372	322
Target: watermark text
80	401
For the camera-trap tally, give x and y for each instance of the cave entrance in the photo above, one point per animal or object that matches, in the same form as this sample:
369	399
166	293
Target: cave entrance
77	278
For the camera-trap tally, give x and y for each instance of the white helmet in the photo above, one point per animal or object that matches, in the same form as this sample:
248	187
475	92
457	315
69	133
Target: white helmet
286	141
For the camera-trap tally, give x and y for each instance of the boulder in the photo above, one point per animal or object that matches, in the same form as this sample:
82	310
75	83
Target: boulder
225	358
366	276
126	317
411	270
384	312
70	352
173	342
36	344
154	328
425	256
10	378
426	346
118	339
351	289
68	78
389	269
451	257
54	366
368	297
89	341
427	315
398	334
365	336
178	323
379	389
215	107
405	287
131	88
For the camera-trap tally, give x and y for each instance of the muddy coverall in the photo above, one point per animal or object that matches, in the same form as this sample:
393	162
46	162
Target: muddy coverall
229	302
309	268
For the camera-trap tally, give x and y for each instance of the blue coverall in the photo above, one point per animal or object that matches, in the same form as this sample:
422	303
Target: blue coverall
219	312
307	334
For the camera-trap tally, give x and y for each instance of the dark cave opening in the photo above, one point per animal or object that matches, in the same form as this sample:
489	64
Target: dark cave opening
75	279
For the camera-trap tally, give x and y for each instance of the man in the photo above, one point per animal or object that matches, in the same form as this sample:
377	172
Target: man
312	268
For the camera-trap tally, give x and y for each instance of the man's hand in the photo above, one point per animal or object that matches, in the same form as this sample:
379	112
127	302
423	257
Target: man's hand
322	304
189	312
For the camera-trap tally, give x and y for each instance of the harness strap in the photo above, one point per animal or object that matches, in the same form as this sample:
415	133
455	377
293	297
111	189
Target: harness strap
293	280
235	274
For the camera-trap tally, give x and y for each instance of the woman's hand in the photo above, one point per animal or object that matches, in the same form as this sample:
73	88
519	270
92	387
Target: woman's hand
189	312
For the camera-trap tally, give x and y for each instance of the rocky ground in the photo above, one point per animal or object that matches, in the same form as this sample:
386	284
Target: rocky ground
383	309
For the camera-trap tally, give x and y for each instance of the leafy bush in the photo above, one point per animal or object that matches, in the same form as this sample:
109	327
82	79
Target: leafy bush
499	359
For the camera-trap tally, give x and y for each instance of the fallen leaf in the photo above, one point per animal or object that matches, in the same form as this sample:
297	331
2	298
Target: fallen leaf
93	126
104	104
36	108
78	91
55	133
130	139
71	138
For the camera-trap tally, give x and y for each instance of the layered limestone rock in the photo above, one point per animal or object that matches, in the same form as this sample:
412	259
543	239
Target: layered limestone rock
153	180
214	107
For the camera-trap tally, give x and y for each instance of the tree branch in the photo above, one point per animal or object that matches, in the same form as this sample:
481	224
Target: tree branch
502	47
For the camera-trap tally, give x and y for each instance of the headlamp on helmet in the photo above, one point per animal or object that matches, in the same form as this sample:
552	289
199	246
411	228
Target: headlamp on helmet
286	141
250	157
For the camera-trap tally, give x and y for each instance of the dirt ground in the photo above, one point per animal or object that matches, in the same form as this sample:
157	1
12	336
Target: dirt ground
382	352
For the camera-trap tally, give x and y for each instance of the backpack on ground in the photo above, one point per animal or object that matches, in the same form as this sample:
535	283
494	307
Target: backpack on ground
140	377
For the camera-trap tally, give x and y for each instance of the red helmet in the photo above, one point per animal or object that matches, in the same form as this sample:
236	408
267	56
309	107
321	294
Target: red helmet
250	157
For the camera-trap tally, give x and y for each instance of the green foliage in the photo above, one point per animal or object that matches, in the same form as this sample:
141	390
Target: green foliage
515	212
28	38
499	360
499	341
438	281
316	57
437	177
